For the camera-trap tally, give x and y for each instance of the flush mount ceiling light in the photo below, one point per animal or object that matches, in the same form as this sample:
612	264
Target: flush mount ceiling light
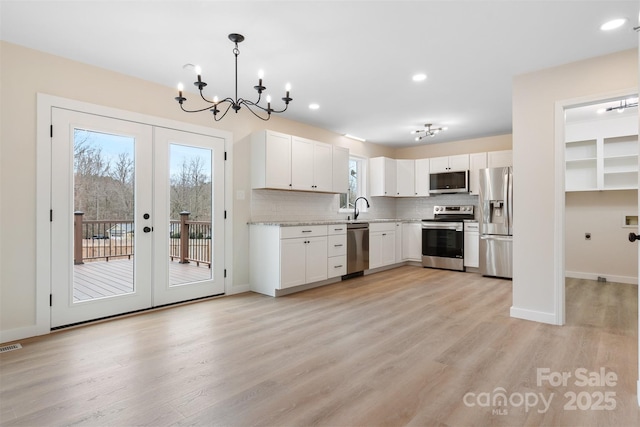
419	77
314	106
623	105
613	24
428	131
234	103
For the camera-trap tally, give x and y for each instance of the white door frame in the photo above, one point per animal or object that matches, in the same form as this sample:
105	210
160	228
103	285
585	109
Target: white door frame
559	215
43	189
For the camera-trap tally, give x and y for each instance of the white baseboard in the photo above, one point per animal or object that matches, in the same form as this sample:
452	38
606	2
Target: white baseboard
238	289
594	276
536	316
20	333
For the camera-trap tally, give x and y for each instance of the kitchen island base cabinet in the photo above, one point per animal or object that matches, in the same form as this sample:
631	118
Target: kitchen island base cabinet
285	257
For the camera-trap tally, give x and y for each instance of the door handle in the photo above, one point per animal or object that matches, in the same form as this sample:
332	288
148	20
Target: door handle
146	229
633	237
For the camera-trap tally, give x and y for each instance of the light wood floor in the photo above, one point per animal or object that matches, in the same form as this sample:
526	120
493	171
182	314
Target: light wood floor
401	347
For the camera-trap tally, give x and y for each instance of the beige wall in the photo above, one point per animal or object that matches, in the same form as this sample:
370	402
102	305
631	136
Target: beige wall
535	253
608	254
24	73
476	145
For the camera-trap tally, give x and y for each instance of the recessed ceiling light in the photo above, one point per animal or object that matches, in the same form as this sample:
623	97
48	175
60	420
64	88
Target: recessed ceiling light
419	77
357	138
313	106
613	24
601	110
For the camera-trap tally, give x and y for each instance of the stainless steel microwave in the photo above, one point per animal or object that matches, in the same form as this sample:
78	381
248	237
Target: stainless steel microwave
449	182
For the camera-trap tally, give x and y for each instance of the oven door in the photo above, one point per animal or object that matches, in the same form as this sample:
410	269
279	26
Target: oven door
443	245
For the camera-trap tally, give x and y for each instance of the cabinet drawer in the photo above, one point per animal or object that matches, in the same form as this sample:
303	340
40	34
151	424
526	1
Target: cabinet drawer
303	231
337	266
337	229
381	226
337	245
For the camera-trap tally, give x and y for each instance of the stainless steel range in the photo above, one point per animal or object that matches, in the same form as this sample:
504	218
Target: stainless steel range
443	237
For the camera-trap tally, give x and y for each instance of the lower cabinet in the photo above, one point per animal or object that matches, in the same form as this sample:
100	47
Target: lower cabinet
412	241
337	251
471	245
382	244
284	257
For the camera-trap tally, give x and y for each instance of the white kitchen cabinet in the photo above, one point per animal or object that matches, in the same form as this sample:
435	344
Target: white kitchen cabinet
337	250
422	177
405	178
399	236
471	244
340	169
311	165
499	159
382	244
382	176
449	163
270	160
412	241
477	161
284	257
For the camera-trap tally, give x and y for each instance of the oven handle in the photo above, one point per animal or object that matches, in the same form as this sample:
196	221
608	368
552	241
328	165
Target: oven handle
442	226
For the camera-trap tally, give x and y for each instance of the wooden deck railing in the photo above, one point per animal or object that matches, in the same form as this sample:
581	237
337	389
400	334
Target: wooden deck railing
189	241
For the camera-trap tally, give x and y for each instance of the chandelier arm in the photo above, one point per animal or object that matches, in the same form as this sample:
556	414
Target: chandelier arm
225	111
202	96
249	105
194	111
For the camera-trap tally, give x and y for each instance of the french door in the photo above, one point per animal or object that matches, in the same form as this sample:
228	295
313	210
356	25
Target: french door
137	216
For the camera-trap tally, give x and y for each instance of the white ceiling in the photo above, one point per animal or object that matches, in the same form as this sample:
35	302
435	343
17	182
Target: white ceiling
354	58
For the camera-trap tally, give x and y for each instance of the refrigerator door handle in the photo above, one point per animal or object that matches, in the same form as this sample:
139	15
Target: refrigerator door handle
499	238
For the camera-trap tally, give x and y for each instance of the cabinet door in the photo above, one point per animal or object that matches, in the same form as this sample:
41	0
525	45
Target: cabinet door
477	161
322	167
499	159
412	241
459	163
471	249
293	262
388	247
277	160
398	239
340	170
389	177
301	164
316	259
375	249
422	177
439	164
382	176
405	178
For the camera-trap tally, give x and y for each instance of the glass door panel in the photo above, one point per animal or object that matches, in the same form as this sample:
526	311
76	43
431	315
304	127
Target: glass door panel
190	203
103	213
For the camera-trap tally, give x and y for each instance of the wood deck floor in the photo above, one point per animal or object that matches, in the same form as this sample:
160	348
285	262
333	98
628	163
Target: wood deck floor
99	279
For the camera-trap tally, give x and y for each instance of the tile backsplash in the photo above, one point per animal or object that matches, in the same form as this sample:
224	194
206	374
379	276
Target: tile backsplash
275	205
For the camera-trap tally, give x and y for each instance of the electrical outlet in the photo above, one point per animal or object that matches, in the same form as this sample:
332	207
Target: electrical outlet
587	236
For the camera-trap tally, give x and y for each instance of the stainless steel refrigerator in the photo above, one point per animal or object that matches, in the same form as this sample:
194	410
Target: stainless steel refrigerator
496	222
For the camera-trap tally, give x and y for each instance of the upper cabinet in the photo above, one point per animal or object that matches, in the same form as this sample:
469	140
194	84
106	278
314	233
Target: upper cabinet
271	160
382	176
340	169
499	159
311	165
477	161
285	162
405	178
602	155
449	163
422	177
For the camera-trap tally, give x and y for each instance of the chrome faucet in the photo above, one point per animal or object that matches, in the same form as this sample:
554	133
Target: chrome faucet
355	207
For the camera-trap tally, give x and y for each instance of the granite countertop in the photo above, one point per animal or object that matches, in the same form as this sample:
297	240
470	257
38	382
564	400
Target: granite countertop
328	222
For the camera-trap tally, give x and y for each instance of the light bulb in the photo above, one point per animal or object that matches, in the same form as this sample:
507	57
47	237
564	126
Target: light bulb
198	70
180	87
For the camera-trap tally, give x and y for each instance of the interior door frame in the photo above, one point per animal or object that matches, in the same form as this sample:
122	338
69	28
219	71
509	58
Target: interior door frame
559	214
45	103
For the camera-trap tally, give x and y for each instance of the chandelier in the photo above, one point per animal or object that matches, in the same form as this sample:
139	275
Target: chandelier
234	103
428	131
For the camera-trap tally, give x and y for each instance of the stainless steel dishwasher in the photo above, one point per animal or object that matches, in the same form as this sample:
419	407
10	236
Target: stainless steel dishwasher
357	248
